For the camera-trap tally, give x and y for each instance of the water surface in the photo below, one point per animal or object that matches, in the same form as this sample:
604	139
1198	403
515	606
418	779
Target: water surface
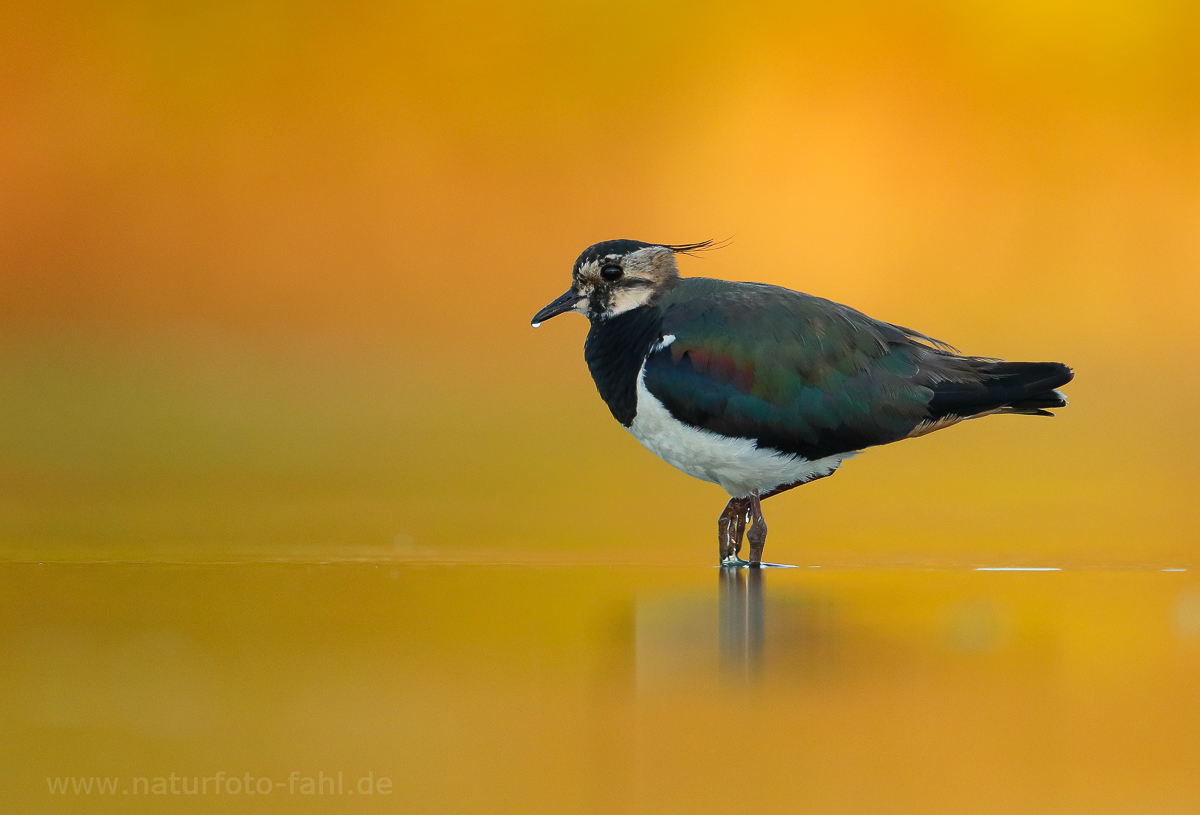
538	687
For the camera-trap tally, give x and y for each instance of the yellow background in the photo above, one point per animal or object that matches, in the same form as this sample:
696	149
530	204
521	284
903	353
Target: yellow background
268	267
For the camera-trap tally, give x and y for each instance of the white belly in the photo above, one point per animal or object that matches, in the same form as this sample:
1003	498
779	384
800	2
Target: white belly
738	465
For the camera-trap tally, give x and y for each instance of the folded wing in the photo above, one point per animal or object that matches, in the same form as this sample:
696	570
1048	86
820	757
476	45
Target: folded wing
810	377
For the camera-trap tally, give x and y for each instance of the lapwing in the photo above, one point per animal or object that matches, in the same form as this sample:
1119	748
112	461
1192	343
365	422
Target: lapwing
758	388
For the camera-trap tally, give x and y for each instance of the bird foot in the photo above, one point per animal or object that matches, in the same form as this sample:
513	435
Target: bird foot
734	562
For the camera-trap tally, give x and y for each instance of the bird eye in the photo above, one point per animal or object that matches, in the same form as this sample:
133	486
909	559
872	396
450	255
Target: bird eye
611	273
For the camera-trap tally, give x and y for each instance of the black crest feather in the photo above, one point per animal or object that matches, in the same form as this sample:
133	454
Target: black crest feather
702	246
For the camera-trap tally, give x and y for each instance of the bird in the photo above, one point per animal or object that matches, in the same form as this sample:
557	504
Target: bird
758	388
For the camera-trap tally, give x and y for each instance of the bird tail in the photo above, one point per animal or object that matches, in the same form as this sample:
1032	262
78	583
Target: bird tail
1029	388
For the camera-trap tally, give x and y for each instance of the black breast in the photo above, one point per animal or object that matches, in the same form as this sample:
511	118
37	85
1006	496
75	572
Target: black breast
615	350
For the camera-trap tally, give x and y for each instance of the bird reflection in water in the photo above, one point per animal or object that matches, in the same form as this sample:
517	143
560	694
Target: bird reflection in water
742	634
742	631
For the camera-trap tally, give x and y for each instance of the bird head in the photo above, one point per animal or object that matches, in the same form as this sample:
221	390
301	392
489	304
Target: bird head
614	277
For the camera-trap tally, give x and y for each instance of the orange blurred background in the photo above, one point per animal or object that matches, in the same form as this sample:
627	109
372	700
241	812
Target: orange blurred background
267	268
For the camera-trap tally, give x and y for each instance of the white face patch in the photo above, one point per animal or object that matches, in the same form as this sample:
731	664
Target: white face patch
624	300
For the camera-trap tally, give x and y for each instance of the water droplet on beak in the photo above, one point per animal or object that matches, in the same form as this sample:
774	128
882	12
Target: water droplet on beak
537	325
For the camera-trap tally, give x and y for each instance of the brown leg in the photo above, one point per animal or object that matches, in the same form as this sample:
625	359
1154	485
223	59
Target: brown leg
757	535
738	529
731	526
758	531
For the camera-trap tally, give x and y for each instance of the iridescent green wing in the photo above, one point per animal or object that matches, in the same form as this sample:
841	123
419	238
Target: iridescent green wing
793	372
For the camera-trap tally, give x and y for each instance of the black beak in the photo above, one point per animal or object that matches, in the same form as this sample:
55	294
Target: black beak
561	304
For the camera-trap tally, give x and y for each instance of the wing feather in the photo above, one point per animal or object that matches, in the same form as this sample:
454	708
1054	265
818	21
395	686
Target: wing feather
798	373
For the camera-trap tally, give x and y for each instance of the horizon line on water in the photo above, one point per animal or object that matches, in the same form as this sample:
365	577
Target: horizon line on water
1018	568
